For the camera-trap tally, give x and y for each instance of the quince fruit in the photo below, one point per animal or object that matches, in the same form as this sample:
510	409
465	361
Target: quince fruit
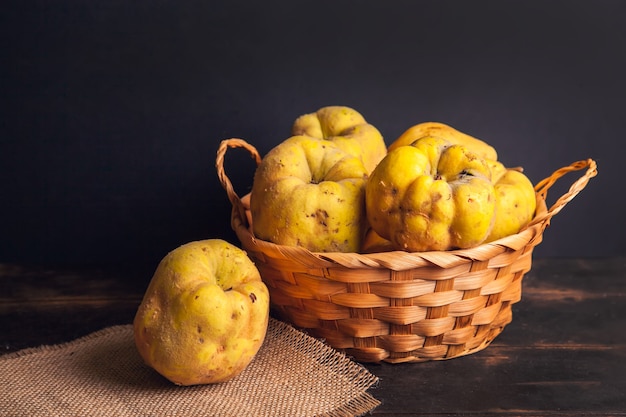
516	202
348	129
431	195
309	192
204	315
446	132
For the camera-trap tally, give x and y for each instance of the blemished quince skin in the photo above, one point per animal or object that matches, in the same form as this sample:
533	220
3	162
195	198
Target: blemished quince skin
431	195
310	193
348	129
446	132
204	315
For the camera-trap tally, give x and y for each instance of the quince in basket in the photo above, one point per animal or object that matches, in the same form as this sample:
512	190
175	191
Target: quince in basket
447	132
516	202
348	129
309	192
204	315
438	195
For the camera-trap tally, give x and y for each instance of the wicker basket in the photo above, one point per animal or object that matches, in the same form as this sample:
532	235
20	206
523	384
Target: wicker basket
398	306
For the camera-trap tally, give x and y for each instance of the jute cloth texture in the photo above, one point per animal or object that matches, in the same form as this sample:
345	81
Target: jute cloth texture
102	374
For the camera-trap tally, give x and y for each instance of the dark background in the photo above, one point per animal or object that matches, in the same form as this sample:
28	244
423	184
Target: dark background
112	111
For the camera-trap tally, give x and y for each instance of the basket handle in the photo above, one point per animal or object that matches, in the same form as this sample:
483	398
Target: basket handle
544	185
221	173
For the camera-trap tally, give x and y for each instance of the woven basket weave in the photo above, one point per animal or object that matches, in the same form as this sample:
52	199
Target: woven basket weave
398	306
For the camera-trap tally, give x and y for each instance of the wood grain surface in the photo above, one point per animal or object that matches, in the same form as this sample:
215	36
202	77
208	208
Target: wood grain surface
563	354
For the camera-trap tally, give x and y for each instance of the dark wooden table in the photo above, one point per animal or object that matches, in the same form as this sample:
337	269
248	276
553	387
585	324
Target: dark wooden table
563	354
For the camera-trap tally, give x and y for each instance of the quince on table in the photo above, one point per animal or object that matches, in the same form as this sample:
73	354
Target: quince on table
204	315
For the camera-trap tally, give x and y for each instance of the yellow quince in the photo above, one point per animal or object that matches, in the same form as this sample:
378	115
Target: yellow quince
446	132
348	129
309	192
431	195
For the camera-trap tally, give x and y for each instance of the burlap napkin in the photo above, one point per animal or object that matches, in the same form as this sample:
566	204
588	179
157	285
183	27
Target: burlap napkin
102	375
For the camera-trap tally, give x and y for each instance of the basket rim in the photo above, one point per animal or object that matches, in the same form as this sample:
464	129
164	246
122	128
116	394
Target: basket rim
397	259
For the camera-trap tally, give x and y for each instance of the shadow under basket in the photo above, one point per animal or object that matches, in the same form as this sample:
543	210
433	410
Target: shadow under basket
398	306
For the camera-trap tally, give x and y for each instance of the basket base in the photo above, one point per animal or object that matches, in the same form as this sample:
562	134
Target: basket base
397	349
424	314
